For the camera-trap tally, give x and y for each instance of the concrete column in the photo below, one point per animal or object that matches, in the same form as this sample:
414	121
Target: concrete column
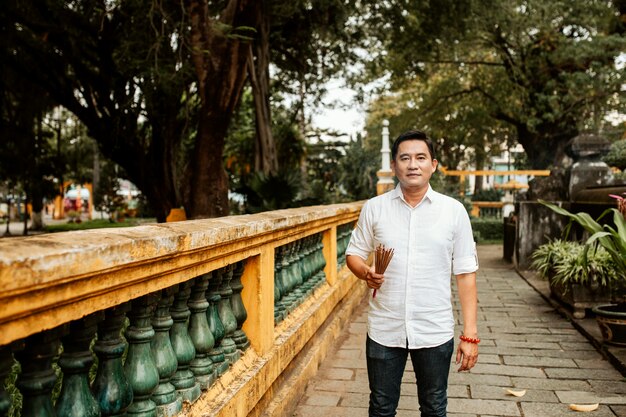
385	176
258	297
329	240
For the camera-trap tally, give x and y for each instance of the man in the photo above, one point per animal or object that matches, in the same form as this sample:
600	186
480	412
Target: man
410	313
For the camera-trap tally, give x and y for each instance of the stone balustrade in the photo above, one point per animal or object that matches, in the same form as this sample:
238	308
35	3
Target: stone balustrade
201	317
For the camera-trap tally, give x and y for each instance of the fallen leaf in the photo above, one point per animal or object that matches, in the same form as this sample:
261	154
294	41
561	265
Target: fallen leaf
584	407
517	393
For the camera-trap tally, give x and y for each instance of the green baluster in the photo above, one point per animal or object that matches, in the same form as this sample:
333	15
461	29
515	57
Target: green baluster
279	290
303	262
311	250
37	378
294	270
282	277
183	380
6	363
201	335
277	284
320	276
111	388
165	398
307	287
140	368
215	325
287	278
298	256
226	315
239	310
346	240
341	249
301	270
292	255
306	261
339	244
76	400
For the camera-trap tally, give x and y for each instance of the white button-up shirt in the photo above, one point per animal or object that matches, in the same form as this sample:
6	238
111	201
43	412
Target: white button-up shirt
431	241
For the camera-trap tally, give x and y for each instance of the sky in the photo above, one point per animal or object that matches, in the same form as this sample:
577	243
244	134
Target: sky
339	111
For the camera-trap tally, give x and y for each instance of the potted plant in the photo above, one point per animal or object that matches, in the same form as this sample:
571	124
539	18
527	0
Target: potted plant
578	277
611	237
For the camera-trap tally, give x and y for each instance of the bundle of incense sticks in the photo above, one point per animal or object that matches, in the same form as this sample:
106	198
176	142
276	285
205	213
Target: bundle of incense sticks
382	257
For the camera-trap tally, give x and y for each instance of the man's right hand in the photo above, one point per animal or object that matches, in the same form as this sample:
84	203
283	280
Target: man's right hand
365	272
373	279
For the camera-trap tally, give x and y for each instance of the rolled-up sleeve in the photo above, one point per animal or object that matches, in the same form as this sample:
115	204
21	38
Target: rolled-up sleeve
362	239
464	257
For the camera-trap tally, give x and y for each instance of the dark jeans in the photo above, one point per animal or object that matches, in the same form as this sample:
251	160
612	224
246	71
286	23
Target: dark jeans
385	366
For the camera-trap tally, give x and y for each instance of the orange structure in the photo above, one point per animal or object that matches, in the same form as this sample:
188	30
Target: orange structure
63	204
462	174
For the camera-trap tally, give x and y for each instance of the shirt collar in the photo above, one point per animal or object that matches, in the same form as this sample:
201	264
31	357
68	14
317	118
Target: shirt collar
431	194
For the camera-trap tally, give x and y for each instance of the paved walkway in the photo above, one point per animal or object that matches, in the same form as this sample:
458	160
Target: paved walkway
526	344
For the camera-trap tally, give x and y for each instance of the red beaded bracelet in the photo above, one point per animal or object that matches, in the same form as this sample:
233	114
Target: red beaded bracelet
469	339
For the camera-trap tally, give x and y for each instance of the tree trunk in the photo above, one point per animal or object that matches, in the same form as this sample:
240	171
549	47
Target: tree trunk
25	214
209	183
7	231
95	183
150	170
36	220
221	76
266	160
35	190
546	146
480	164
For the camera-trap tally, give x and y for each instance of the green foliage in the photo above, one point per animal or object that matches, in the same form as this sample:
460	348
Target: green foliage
620	175
272	191
322	162
571	262
616	157
449	186
491	194
487	229
14	394
310	44
239	159
239	145
94	224
107	198
27	159
358	171
545	256
610	237
532	72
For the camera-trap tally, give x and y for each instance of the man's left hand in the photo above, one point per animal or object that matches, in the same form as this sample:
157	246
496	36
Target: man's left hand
466	355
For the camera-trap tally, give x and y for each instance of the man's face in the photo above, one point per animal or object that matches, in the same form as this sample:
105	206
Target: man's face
413	165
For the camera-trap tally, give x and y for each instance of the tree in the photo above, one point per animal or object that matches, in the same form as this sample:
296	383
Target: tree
546	69
264	190
306	46
616	157
125	69
358	170
26	161
156	84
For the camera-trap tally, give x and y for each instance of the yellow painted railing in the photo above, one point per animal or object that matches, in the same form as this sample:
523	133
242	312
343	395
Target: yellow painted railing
487	208
512	184
56	287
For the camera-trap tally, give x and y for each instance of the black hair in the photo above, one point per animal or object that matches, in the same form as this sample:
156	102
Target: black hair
413	135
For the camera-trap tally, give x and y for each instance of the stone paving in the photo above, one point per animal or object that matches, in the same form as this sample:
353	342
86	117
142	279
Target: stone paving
526	344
